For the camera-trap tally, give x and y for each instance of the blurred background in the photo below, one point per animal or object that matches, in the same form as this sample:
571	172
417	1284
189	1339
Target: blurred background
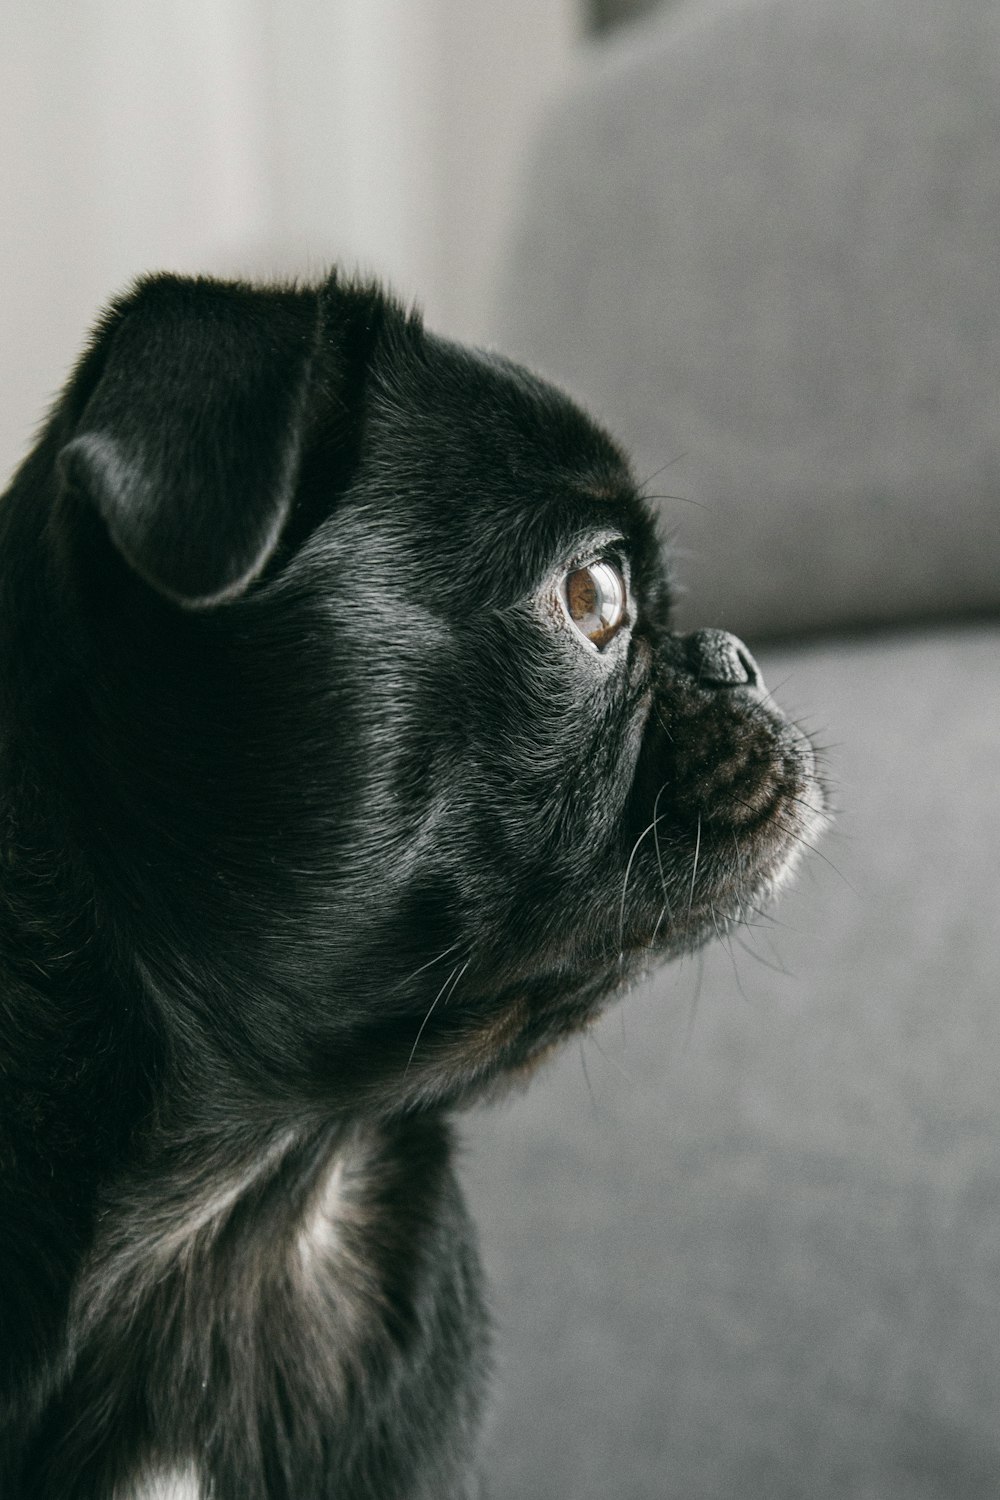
261	136
744	1242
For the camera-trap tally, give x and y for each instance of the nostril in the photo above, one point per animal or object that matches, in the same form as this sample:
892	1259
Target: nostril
719	659
749	666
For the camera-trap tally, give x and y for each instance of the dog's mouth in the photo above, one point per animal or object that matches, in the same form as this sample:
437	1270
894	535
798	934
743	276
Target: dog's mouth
724	811
727	798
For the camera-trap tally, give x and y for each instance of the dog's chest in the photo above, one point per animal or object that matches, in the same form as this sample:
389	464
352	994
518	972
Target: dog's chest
166	1484
246	1324
258	1289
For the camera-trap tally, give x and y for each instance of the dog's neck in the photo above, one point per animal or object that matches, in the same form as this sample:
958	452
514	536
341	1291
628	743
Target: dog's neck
249	1266
234	1216
251	1254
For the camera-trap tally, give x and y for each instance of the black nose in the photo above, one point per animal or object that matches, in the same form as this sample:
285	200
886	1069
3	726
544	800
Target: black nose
719	659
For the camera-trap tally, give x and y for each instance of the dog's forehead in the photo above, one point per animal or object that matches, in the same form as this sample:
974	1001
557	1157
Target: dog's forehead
467	439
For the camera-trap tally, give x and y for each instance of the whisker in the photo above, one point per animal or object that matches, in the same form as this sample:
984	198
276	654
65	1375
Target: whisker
759	958
800	837
808	844
656	930
611	1061
694	870
452	980
429	964
694	1001
725	940
684	499
656	841
628	872
666	731
586	1075
663	468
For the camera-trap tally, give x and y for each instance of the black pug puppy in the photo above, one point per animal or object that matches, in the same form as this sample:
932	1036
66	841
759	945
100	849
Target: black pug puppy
349	762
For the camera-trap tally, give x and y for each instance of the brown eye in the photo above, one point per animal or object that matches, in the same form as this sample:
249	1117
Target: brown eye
595	601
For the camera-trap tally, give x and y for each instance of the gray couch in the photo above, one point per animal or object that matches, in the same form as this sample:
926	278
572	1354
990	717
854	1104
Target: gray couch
747	1241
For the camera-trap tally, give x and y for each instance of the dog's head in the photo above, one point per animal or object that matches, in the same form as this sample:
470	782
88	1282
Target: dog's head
359	695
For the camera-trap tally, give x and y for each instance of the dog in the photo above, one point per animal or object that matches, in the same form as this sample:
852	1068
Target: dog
349	763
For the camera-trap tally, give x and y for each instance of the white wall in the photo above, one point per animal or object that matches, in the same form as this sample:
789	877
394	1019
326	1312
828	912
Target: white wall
271	136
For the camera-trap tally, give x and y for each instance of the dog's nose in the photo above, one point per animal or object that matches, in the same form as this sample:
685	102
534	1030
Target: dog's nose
719	659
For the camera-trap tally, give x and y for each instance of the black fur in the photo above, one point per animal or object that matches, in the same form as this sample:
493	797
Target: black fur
317	816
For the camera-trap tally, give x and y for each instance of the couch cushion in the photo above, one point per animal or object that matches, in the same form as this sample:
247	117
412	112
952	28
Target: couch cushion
758	1254
765	236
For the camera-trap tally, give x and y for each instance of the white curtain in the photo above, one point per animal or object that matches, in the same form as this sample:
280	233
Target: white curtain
256	136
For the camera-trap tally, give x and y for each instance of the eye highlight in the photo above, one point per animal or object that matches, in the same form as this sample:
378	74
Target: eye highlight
595	600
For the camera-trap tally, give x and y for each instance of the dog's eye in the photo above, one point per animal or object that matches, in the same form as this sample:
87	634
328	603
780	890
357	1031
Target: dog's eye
595	600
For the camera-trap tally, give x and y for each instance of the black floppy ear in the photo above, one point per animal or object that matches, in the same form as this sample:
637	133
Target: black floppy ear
189	442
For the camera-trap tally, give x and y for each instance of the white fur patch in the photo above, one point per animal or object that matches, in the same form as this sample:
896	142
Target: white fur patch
330	1262
319	1241
168	1484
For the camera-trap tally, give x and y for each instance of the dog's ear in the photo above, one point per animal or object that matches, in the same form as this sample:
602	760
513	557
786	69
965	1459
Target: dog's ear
190	436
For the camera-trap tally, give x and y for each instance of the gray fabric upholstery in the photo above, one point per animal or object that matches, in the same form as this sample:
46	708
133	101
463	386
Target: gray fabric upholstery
759	1257
764	234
